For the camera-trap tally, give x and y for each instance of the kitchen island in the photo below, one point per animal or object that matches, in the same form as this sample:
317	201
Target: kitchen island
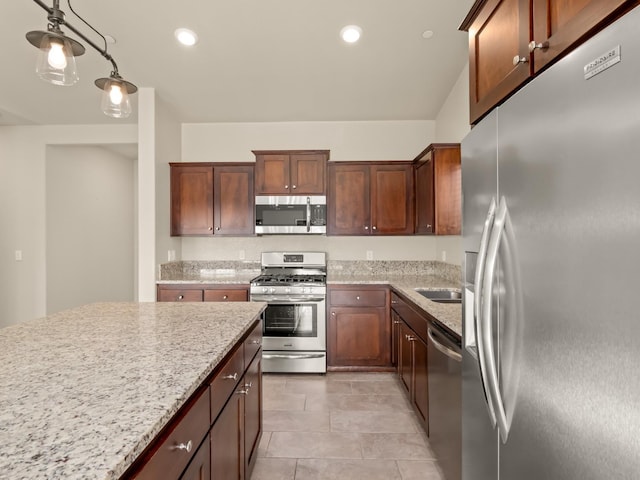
84	392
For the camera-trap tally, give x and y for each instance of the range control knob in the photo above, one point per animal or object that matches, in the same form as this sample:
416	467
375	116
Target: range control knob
265	289
287	290
272	290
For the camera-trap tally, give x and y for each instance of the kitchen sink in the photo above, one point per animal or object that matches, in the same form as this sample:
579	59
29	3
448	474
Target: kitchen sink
440	296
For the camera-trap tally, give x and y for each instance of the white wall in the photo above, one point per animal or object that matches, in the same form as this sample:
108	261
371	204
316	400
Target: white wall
89	226
384	140
23	209
452	125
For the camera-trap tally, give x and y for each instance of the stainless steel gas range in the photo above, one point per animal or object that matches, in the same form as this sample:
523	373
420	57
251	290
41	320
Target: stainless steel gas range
294	323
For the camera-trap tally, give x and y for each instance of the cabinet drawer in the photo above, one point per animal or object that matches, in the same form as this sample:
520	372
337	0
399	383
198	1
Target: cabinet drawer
253	343
171	295
225	381
358	298
175	452
226	295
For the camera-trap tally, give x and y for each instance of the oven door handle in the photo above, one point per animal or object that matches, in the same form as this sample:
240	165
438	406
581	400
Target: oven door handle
287	300
292	356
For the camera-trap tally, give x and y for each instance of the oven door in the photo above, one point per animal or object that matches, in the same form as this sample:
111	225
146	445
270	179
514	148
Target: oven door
293	324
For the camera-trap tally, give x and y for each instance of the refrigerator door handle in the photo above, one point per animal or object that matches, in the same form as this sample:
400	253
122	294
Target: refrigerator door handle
486	323
479	300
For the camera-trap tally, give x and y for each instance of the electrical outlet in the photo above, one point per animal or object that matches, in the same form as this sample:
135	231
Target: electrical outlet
171	255
241	254
18	255
369	254
444	255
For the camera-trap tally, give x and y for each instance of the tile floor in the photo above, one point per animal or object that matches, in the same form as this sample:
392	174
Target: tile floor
341	426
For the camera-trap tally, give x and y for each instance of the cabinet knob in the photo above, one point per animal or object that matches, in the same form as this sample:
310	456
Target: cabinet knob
366	227
293	186
396	322
255	342
374	228
333	314
428	225
231	377
540	46
248	385
243	392
224	297
217	228
180	297
286	187
518	59
184	446
357	297
210	229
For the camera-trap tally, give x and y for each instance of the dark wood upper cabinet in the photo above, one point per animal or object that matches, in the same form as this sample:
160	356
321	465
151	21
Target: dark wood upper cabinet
512	40
498	52
212	199
370	198
233	207
559	24
192	199
438	190
291	172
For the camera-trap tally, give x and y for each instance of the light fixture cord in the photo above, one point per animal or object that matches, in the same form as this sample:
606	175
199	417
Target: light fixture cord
90	26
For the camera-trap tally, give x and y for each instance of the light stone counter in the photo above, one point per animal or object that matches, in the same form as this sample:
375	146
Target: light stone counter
83	392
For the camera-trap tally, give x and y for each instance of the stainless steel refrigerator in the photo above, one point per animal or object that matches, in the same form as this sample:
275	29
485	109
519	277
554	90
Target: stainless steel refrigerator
551	233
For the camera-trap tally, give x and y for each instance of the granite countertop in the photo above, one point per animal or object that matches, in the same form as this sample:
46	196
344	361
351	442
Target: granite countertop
404	276
83	392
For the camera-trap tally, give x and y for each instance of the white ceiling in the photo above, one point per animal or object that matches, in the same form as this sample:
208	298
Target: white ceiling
256	60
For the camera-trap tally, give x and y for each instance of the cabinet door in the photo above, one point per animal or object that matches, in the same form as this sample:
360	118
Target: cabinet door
392	201
233	200
272	174
200	466
226	295
191	200
308	174
358	336
499	33
252	413
395	338
425	196
405	357
420	395
227	443
448	191
349	200
179	295
558	24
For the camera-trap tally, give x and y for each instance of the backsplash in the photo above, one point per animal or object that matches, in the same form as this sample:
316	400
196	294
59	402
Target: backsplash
184	270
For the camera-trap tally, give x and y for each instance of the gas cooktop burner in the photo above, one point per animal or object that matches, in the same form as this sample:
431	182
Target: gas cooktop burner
289	280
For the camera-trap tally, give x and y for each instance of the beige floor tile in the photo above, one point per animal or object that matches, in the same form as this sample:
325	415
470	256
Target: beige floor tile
273	382
373	422
360	376
318	469
316	385
374	403
390	387
282	401
264	443
274	469
314	445
294	421
419	470
398	446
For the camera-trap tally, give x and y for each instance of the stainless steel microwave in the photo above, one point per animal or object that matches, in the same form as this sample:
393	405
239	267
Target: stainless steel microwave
296	214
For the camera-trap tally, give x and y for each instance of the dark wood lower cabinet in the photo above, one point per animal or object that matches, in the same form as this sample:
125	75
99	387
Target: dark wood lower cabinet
227	445
420	394
252	414
200	466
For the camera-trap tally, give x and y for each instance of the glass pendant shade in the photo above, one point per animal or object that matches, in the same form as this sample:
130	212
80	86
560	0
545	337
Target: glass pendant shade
115	99
56	62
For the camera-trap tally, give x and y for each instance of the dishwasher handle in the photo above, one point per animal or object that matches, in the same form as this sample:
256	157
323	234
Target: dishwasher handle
449	352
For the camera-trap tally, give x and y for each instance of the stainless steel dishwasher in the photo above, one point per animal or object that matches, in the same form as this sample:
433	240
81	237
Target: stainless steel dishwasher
445	401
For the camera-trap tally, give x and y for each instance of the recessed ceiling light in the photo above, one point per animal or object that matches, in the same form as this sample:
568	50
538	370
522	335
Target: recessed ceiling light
351	33
186	36
427	34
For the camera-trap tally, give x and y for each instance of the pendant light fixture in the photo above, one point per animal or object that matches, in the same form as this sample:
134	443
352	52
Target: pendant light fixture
56	60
